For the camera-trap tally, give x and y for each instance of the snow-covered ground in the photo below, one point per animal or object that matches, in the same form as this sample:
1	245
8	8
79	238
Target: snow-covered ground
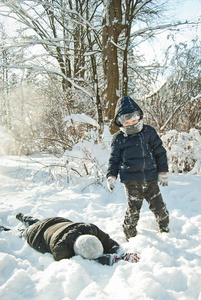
170	265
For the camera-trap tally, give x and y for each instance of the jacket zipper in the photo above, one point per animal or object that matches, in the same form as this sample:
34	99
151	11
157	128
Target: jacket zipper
143	165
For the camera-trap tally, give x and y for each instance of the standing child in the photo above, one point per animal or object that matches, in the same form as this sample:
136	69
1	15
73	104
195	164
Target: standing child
138	156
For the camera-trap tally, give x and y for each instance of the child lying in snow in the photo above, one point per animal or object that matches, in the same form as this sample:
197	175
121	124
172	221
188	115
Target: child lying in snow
64	239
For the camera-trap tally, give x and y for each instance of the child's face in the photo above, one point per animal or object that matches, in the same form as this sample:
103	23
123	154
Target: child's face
130	122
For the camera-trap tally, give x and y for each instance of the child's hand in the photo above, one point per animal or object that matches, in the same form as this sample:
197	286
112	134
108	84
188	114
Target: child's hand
163	179
110	183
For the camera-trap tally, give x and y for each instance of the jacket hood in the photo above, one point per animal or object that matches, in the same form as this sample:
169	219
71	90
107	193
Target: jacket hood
126	105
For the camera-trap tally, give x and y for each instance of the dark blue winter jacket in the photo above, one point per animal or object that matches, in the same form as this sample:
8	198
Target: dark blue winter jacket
138	157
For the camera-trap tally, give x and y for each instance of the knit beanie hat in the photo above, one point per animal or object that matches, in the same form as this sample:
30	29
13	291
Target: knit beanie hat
88	246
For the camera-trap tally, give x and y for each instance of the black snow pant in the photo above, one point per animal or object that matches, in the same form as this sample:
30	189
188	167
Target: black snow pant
136	192
28	221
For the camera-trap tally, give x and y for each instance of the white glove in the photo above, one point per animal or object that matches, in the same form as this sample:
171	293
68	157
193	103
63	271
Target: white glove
163	179
110	183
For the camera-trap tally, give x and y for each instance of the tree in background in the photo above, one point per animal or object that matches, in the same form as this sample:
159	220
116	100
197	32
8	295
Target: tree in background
5	58
84	56
119	42
177	104
112	27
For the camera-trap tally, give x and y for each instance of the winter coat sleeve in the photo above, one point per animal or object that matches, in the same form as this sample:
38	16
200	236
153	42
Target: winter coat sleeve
115	158
159	152
109	245
63	248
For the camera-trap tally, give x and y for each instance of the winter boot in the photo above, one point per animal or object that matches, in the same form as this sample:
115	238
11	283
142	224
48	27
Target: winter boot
2	228
129	231
27	220
163	229
19	216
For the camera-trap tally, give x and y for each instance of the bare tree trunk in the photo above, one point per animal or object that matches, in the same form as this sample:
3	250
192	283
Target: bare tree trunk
112	27
59	57
96	82
5	91
79	35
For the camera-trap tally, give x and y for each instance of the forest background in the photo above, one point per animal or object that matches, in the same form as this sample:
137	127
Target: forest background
64	64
